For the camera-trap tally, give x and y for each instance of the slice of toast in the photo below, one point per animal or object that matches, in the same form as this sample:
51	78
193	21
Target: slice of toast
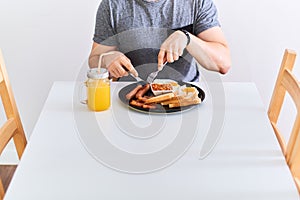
160	98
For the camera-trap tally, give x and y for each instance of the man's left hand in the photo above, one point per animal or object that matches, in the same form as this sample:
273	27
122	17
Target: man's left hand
172	48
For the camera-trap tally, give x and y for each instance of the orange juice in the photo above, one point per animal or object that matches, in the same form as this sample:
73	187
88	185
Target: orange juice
98	93
98	89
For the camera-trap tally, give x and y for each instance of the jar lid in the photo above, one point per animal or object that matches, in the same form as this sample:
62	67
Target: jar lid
94	73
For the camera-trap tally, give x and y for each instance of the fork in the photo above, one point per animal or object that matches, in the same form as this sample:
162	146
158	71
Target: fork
153	75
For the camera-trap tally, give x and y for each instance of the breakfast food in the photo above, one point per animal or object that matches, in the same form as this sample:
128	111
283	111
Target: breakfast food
185	103
132	93
174	99
141	92
142	104
137	97
165	86
160	98
177	96
184	96
162	86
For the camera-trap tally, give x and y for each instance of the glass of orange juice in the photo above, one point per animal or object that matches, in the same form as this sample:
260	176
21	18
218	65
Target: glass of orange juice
98	89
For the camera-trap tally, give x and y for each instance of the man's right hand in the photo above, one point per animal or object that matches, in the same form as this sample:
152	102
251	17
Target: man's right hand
118	64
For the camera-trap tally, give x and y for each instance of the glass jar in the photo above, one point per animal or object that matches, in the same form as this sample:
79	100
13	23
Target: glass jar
98	89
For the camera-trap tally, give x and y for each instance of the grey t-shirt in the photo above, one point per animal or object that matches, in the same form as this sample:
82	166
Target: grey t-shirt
139	27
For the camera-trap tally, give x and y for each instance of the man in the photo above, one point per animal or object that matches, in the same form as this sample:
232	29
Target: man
141	35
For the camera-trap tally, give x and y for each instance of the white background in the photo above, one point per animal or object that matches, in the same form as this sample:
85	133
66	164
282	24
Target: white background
50	40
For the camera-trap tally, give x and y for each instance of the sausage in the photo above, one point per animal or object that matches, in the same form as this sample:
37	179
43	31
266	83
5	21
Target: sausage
136	103
132	93
142	91
140	104
143	99
149	106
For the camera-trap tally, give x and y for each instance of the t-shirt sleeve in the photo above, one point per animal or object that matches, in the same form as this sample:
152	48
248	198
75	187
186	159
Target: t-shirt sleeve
104	32
206	17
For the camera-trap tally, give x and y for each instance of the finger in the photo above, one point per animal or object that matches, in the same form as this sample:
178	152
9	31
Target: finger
113	73
117	66
128	66
180	52
170	58
116	69
117	72
121	71
175	56
134	72
161	57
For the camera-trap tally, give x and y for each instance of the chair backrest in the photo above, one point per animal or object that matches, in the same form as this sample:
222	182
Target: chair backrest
12	128
287	82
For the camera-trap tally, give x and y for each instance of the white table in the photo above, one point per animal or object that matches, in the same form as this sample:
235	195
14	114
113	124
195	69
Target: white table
246	163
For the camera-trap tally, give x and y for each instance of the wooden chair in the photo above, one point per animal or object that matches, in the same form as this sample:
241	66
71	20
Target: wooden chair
287	82
12	128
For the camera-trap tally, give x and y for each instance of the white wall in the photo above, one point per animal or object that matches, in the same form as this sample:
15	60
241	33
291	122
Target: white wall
45	41
258	32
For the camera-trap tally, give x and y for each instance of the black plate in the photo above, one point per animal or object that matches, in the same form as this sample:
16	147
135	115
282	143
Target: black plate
160	109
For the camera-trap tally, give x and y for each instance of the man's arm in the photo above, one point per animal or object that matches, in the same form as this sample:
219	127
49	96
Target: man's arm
209	48
213	43
117	63
97	50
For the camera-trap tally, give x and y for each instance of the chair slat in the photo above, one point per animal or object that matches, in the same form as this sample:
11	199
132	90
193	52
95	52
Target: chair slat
7	132
1	190
292	85
1	65
12	128
297	181
277	99
6	101
1	78
293	150
287	82
279	137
